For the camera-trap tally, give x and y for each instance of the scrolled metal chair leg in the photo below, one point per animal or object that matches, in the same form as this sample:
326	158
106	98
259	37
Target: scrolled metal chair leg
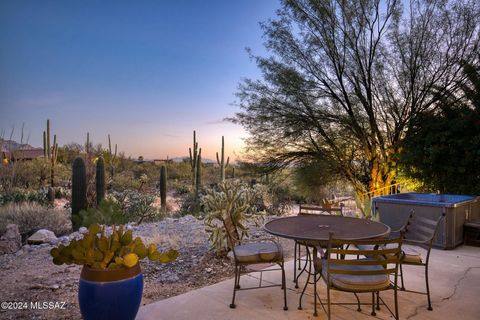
358	303
284	284
428	289
237	278
373	304
401	277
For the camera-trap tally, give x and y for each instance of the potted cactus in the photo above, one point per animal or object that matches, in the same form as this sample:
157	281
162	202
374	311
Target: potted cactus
111	282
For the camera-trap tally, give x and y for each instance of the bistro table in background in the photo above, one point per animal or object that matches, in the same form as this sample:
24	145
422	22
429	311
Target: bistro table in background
316	228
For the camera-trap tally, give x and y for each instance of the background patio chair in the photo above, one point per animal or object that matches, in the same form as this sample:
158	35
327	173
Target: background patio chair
418	231
306	210
247	255
368	275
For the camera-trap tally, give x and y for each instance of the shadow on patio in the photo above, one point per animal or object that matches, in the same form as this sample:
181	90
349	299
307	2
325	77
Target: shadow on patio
454	281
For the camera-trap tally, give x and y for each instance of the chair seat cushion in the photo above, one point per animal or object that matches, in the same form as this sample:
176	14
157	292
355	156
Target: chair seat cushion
409	253
258	252
351	282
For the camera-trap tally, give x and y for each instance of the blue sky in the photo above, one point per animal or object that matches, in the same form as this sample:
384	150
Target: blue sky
148	72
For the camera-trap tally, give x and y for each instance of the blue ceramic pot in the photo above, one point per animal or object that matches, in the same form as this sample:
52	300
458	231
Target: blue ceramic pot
110	294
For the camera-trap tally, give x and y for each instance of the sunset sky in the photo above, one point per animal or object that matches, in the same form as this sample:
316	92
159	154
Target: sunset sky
147	72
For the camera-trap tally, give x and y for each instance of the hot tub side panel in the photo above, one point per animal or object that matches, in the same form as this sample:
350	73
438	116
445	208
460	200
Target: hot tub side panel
450	230
396	215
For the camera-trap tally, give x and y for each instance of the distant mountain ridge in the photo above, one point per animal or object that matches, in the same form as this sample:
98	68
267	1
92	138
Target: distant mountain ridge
180	159
11	145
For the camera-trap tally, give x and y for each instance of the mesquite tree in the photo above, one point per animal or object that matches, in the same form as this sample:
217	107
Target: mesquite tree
344	78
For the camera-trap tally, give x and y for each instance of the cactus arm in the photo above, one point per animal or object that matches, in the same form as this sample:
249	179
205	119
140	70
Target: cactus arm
48	139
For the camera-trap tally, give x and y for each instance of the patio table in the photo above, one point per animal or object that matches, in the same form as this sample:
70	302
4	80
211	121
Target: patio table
316	228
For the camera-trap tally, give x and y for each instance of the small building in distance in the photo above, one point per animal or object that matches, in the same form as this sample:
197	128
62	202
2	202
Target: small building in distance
13	151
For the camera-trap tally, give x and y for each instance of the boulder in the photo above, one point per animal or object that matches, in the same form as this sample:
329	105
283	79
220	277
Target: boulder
42	236
11	240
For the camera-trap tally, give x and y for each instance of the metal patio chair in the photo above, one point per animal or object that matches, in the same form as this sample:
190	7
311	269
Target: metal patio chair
309	210
418	231
247	255
367	275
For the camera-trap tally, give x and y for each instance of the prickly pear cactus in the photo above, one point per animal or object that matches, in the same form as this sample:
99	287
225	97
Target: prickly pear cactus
115	251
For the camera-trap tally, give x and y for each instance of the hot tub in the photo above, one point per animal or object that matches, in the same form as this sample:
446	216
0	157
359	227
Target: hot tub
394	210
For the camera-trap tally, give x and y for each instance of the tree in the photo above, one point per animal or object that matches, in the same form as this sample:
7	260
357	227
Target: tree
345	77
442	148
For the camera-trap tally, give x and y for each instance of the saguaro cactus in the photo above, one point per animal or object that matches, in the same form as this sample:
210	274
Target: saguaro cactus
163	187
100	180
193	158
79	190
112	156
198	180
45	145
53	160
48	139
221	161
50	151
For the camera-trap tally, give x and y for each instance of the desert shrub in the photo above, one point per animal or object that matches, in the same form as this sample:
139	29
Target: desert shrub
229	202
20	195
191	204
123	207
273	198
109	212
139	206
124	181
31	217
63	193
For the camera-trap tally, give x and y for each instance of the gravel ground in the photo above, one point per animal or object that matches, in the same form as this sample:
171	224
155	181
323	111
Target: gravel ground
29	276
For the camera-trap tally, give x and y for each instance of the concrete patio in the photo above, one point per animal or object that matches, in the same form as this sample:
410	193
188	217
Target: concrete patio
454	281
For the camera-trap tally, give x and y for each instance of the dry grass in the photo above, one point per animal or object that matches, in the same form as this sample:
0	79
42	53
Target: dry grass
31	217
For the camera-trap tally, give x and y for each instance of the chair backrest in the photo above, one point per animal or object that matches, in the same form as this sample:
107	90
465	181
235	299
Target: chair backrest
313	209
421	229
233	237
386	257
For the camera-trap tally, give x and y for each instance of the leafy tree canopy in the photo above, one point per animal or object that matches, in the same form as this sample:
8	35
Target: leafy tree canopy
345	78
442	148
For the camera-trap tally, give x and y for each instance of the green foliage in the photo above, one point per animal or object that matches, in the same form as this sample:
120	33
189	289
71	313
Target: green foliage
366	205
122	207
233	201
30	217
79	190
124	181
442	149
343	79
100	180
20	195
316	180
190	203
138	206
163	186
115	251
108	212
